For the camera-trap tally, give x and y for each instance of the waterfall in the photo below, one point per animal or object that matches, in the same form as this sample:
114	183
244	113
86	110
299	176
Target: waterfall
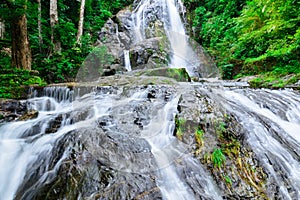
183	55
167	11
166	150
117	33
139	20
34	152
117	142
24	144
272	123
127	60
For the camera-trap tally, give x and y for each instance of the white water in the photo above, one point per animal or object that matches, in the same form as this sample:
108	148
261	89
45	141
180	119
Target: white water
139	20
167	151
182	54
272	121
19	153
127	60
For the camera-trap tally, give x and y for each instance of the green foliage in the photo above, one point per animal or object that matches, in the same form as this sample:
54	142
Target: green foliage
199	136
275	79
249	37
179	130
218	158
12	81
60	66
228	180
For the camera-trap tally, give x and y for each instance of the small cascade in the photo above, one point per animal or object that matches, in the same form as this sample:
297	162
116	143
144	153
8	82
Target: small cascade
127	60
138	18
117	33
167	151
182	55
272	123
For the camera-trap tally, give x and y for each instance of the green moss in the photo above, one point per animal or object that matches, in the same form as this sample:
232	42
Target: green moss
274	80
179	74
179	127
228	180
218	158
199	136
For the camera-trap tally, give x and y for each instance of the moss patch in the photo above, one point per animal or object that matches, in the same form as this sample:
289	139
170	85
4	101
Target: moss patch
275	81
179	74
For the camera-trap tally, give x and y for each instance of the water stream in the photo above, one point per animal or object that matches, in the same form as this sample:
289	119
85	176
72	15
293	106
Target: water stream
117	142
167	11
127	60
271	119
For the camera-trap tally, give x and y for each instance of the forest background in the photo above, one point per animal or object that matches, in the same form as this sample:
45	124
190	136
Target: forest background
44	42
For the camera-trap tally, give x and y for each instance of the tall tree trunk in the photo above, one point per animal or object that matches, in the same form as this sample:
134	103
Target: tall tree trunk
2	29
80	23
40	24
21	52
53	23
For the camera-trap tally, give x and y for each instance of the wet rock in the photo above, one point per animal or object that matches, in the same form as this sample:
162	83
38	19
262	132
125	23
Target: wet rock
12	109
31	114
150	53
236	177
97	169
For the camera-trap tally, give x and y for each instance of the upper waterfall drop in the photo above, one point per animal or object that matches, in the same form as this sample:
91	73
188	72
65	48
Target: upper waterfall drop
161	19
183	55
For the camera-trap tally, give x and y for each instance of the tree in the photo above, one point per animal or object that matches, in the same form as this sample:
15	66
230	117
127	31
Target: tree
21	52
80	23
2	28
40	24
53	24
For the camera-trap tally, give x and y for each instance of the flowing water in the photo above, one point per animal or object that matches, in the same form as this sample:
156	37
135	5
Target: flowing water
167	12
117	142
29	149
140	121
271	119
127	60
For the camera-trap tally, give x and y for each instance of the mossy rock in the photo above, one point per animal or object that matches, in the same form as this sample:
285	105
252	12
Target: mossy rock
273	81
179	74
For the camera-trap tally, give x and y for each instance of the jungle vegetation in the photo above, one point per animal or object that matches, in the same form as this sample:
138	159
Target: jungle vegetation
47	41
248	37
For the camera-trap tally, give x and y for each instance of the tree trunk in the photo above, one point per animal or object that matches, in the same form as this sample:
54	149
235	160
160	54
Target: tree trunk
80	23
2	29
53	24
21	53
40	24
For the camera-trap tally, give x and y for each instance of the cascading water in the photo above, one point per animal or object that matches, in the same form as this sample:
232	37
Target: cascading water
24	144
35	151
182	55
271	120
127	60
118	143
166	150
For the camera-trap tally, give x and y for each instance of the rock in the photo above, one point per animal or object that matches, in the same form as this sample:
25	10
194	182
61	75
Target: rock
131	80
118	34
179	74
30	114
150	53
236	179
12	109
